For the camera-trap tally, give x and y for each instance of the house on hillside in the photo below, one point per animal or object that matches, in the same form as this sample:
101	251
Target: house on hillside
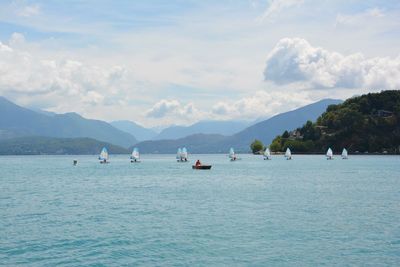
384	113
295	134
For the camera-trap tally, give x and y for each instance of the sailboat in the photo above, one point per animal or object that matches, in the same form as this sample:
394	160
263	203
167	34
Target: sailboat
135	157
288	154
267	154
103	157
178	154
329	154
232	154
344	154
184	154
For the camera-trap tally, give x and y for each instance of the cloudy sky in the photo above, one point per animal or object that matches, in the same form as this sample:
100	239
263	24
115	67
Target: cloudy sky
177	62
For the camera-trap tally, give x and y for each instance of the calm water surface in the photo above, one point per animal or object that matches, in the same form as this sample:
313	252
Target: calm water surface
304	212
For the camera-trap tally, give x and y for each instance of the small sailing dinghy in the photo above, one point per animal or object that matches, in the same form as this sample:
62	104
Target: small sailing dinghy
288	154
329	154
104	156
178	154
135	157
267	154
182	155
232	154
344	154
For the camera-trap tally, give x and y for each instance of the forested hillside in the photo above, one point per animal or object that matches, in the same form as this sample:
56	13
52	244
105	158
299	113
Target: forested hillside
367	123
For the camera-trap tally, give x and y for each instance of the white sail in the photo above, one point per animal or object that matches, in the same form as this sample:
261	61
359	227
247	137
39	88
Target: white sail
329	153
288	153
103	154
267	153
184	154
344	153
178	153
231	153
135	154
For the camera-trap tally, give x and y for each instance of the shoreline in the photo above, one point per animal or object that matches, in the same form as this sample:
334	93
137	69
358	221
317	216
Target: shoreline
273	154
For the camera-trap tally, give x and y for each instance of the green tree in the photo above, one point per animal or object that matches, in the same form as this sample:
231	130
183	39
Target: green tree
285	134
276	144
256	146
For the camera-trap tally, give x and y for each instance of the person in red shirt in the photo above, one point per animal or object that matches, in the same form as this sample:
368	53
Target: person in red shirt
198	163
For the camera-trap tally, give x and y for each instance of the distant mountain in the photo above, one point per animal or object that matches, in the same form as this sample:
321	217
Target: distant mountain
16	121
267	130
197	143
44	112
158	128
264	131
141	133
202	127
56	146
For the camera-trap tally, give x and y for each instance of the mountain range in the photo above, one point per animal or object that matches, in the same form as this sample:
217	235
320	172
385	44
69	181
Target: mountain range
141	133
40	145
268	129
16	121
202	127
265	131
201	137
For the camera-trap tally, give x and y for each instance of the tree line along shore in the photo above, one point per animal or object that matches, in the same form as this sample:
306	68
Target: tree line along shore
367	124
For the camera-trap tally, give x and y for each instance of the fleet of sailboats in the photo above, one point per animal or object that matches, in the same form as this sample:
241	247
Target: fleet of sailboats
182	155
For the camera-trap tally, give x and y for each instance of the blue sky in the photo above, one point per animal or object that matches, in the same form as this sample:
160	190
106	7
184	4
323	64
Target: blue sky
191	60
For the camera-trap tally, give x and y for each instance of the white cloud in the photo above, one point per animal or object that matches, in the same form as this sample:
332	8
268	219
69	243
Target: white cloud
173	109
215	51
359	18
295	60
261	104
24	10
276	6
164	108
5	48
26	73
17	39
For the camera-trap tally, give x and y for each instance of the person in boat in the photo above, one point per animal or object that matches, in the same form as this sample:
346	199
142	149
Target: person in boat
198	163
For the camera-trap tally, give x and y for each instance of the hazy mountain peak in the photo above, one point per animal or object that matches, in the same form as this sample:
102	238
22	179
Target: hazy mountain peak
72	115
140	132
202	127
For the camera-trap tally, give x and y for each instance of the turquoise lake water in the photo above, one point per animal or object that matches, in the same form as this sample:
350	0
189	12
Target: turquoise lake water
305	212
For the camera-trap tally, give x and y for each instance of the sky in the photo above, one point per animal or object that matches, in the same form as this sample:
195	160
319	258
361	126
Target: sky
160	63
